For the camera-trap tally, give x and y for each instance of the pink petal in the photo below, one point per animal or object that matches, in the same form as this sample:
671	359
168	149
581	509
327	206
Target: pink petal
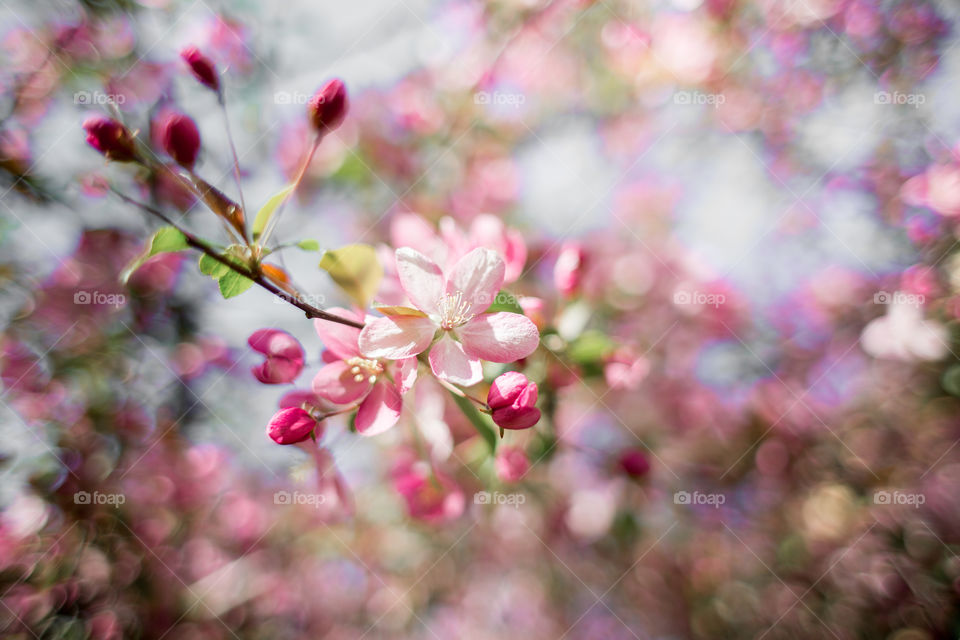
380	410
406	374
410	230
339	338
478	276
420	278
335	383
499	337
396	337
450	363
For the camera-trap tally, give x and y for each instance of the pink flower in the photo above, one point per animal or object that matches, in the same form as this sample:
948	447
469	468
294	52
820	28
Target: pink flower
513	398
180	138
511	464
328	106
454	305
625	371
202	67
291	425
938	188
634	463
567	271
430	496
110	138
351	377
284	356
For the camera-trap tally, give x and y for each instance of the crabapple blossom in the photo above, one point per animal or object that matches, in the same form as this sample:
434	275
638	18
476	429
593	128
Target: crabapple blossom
180	138
453	305
284	356
110	138
291	425
328	106
350	377
202	67
512	398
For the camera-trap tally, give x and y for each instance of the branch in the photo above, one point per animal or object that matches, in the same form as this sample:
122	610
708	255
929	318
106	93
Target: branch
197	243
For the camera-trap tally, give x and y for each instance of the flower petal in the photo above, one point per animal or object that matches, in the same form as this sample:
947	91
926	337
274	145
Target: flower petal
380	410
406	374
396	337
478	277
336	383
450	363
499	337
339	338
420	278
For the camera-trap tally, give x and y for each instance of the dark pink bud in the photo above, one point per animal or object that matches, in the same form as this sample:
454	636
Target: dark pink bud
290	426
328	106
110	138
513	398
634	463
203	68
284	356
180	138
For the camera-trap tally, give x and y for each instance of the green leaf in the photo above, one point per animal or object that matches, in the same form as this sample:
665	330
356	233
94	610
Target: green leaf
309	245
233	284
479	421
951	380
211	267
167	240
505	301
356	269
590	348
267	210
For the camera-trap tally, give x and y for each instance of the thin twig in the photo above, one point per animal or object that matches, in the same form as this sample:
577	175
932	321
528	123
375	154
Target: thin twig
197	243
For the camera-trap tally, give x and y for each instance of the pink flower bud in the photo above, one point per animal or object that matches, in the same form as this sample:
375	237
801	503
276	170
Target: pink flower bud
328	106
512	397
110	138
203	68
290	426
634	463
284	356
566	272
180	138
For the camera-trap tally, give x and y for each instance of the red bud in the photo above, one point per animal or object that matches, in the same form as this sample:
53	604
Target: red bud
513	398
328	106
180	138
110	138
290	426
203	68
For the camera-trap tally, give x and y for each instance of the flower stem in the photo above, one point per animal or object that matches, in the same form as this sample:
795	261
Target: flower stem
255	276
233	149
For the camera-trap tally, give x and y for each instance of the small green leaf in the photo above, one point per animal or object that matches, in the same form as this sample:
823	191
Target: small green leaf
267	210
479	421
505	301
951	380
211	267
233	284
356	269
167	239
309	245
590	348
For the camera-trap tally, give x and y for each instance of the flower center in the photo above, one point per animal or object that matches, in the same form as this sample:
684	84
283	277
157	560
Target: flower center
362	368
453	310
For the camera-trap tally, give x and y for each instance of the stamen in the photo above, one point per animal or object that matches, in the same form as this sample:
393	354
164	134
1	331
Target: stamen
453	310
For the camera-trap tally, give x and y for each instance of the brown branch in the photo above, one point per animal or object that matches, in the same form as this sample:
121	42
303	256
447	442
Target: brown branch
256	277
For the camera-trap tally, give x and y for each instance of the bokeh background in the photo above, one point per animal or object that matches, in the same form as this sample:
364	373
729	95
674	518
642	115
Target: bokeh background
749	391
